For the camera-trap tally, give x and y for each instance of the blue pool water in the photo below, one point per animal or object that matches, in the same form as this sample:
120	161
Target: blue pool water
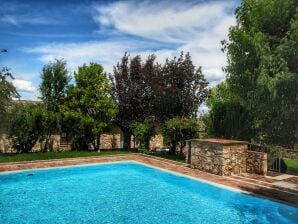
127	193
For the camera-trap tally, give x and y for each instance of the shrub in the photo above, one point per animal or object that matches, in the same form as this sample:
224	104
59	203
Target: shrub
177	130
143	131
26	126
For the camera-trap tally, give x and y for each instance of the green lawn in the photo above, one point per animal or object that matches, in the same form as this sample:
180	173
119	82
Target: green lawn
292	166
56	155
170	157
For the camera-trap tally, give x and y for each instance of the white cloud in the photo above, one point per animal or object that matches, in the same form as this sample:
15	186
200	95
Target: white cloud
163	28
10	19
105	52
24	86
194	27
168	20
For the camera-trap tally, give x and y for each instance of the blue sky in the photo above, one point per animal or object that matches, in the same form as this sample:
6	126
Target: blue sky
38	31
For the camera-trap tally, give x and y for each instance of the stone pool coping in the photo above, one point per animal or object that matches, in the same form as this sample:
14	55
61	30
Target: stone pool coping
243	184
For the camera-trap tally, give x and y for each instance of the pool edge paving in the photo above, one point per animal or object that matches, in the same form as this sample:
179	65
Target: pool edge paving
244	185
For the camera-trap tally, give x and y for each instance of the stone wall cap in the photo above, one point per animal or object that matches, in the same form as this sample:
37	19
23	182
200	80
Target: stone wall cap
220	141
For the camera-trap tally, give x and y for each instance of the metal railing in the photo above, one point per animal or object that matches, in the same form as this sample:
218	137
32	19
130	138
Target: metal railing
274	155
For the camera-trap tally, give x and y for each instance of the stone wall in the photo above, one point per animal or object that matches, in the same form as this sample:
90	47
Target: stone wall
256	162
6	147
225	157
290	153
156	141
108	140
5	144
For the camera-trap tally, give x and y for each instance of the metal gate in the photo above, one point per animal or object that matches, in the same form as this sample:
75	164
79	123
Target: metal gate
274	156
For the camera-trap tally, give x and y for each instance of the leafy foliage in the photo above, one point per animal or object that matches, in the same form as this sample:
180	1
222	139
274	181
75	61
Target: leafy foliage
178	129
132	89
53	88
143	131
227	117
89	107
181	89
26	126
7	91
262	67
149	90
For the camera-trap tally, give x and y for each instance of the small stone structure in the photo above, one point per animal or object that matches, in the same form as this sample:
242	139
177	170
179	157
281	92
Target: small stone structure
225	157
256	162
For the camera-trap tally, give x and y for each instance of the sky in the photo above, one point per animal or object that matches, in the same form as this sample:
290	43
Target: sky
80	31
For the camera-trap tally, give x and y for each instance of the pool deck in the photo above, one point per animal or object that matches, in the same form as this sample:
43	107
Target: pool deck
277	188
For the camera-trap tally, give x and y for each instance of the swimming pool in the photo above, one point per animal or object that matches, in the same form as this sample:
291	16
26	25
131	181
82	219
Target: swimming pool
127	192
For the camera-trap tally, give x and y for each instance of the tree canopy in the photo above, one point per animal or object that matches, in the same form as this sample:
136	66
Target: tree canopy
26	125
133	91
54	83
262	67
178	129
89	107
145	90
181	88
7	89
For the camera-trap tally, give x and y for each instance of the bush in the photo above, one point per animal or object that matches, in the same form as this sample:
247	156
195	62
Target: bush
143	132
177	130
26	126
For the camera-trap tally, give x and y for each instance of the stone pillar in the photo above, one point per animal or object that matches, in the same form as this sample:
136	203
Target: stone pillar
218	156
256	162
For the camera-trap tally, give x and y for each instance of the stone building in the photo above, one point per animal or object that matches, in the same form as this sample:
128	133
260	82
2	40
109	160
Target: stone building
111	139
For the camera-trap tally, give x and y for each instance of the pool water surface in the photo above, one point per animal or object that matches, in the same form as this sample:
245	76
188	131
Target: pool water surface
127	192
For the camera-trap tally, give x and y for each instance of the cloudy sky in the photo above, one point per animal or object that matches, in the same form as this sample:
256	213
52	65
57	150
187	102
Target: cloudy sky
36	32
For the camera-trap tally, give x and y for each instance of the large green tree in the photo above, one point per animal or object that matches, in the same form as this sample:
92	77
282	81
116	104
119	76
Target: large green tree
227	118
54	82
7	90
89	107
26	125
262	67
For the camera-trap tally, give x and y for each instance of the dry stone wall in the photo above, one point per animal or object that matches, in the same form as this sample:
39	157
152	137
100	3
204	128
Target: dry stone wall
225	157
256	162
108	140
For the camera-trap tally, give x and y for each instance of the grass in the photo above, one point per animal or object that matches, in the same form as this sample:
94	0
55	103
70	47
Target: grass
18	157
292	166
170	157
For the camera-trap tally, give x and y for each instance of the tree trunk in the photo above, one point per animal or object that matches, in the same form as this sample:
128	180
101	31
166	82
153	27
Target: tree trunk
47	140
296	138
126	139
183	143
173	148
98	142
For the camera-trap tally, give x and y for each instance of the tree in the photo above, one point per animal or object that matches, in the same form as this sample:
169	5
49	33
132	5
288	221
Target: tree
26	125
143	131
262	67
7	90
227	118
178	129
181	89
89	107
132	90
53	88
